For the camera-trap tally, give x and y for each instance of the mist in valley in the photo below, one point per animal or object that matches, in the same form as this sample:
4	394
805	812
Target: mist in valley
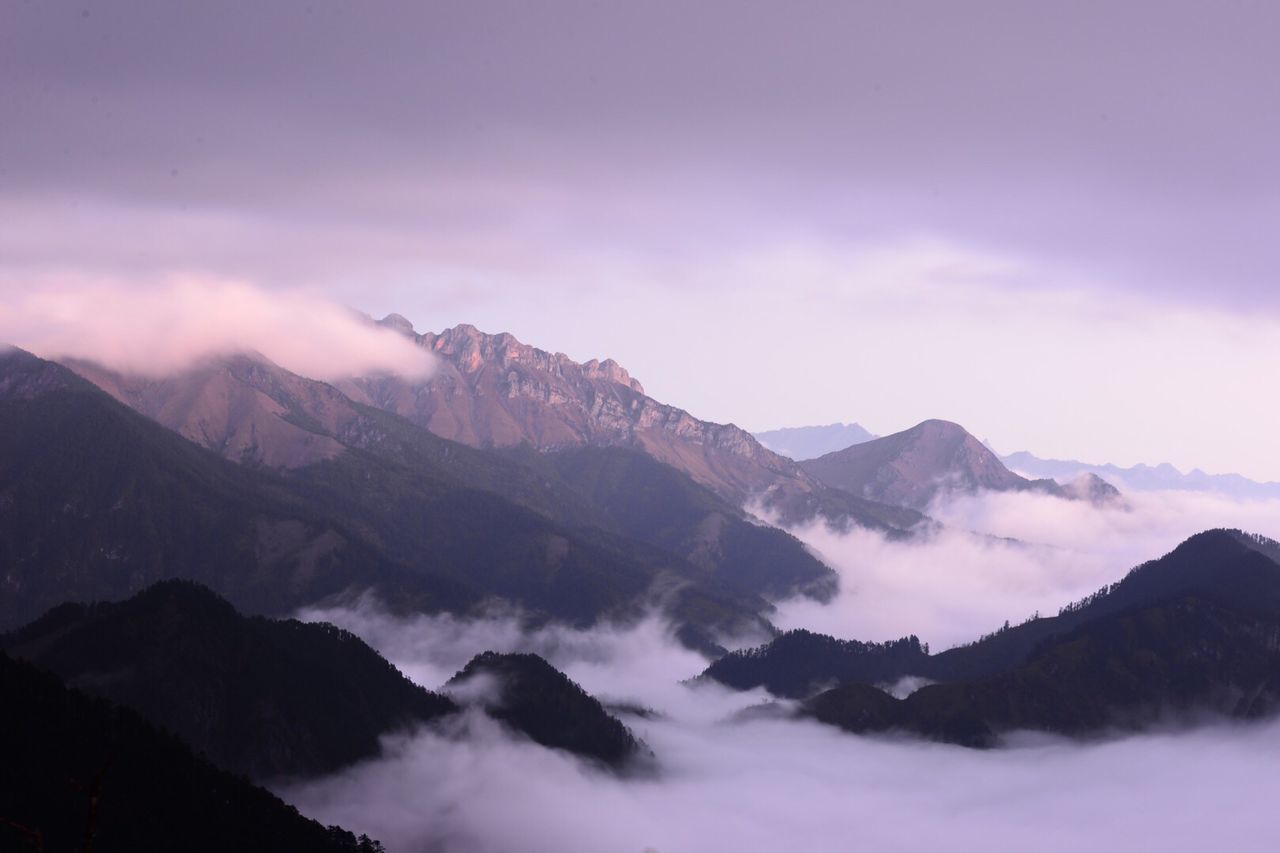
728	780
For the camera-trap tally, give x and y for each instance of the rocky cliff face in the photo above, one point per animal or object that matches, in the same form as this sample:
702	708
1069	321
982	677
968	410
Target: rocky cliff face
489	391
494	391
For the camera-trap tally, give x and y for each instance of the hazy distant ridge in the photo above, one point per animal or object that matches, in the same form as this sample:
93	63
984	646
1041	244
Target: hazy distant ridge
810	442
1144	477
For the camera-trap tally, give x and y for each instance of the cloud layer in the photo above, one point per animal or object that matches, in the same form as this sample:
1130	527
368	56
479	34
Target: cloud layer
770	784
181	320
967	580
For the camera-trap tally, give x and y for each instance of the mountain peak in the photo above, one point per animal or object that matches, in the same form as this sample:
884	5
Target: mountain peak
398	322
910	467
25	376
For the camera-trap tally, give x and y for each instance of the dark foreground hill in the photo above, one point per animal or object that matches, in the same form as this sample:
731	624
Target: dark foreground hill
1232	568
81	773
1165	663
1198	629
534	697
261	697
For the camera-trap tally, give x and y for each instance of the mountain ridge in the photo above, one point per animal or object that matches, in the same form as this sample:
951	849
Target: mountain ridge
935	457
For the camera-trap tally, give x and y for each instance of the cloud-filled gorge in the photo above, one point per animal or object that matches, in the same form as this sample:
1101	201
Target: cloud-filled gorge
772	784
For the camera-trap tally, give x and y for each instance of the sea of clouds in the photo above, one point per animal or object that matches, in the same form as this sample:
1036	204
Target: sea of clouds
726	783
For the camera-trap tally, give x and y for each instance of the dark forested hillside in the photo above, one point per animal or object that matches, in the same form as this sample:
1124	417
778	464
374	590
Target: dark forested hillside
81	773
1227	567
260	697
798	663
539	700
1160	663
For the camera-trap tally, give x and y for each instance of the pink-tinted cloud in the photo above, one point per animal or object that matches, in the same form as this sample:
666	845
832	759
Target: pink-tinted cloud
169	325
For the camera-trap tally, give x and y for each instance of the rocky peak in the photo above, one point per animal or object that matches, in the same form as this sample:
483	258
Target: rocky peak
471	350
399	323
612	371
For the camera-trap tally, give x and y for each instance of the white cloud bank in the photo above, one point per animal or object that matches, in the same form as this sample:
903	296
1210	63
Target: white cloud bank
957	585
168	325
769	785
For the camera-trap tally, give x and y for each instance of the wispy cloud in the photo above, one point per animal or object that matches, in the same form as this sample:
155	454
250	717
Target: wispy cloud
177	321
967	580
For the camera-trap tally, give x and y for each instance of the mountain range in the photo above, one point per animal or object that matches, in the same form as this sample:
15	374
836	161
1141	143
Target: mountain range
155	530
1147	477
488	391
97	502
809	442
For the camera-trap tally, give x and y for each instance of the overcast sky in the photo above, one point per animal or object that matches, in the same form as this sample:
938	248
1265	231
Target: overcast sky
1054	223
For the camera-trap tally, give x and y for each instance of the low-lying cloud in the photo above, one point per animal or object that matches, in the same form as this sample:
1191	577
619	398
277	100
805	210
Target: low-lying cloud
770	784
1002	556
166	326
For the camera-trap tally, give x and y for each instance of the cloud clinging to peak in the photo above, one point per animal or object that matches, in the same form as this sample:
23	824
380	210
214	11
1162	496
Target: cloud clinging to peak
171	325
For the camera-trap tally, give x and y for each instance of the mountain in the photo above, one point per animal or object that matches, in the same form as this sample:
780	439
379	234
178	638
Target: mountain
799	663
240	406
534	697
1146	477
809	442
1159	663
1195	631
494	391
281	419
912	467
1223	567
259	697
84	774
636	496
98	502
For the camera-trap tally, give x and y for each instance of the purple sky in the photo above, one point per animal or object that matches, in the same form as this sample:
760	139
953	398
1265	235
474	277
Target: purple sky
1052	222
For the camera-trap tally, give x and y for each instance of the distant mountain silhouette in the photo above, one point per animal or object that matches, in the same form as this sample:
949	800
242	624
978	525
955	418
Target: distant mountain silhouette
260	697
1145	477
810	442
912	467
149	792
539	700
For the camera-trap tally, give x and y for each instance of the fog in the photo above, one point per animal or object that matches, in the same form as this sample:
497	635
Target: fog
769	784
1002	556
179	320
726	781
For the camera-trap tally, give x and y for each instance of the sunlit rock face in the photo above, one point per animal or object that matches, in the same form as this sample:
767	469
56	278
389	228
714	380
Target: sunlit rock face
494	391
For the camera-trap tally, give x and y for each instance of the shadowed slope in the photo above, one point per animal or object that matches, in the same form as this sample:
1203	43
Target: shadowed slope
260	697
